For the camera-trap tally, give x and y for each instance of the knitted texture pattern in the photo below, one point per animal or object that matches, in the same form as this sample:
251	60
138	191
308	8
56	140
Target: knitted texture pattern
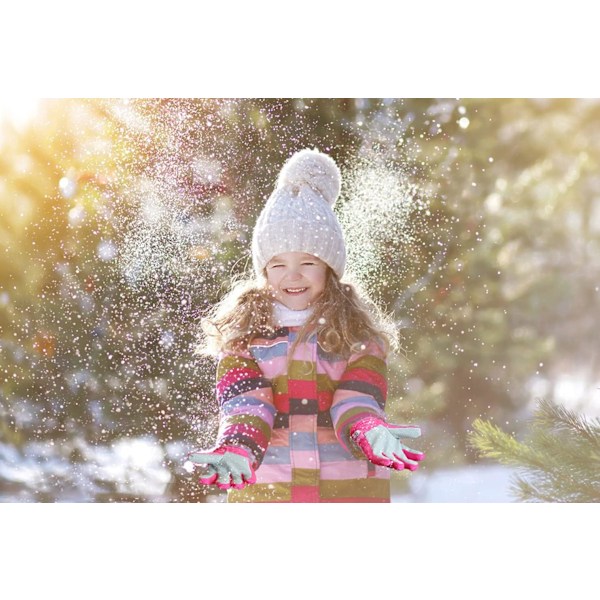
299	217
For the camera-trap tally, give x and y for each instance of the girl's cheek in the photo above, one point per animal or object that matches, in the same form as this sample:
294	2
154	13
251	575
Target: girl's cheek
274	279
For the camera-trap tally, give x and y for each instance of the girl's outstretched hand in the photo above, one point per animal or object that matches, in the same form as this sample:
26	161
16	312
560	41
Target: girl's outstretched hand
226	467
383	444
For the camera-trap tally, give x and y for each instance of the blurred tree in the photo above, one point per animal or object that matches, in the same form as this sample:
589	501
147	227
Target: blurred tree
85	355
560	460
512	185
123	220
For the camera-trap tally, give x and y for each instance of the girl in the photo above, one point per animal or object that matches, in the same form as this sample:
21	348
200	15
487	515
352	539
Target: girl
301	377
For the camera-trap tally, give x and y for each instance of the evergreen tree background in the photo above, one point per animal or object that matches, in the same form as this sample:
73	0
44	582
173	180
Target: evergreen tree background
559	462
122	221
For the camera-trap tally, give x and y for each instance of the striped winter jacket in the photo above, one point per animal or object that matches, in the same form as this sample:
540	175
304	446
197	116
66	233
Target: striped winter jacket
295	416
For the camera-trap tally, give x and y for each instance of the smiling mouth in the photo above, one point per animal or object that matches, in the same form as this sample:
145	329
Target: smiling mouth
295	291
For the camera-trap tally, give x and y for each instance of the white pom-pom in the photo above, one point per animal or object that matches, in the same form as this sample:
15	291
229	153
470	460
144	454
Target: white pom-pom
313	169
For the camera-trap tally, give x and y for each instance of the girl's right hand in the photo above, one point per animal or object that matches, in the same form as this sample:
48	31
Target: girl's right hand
226	467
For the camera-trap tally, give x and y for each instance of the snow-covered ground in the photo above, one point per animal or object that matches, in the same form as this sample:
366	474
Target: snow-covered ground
47	472
470	483
132	468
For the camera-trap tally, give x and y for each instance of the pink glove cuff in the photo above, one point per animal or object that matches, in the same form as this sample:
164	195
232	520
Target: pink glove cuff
234	449
245	481
366	424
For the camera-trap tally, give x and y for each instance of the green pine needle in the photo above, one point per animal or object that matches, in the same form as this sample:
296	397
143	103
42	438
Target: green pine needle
492	442
557	418
560	461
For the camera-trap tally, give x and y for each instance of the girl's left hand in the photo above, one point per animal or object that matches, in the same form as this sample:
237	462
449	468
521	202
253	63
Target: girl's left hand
382	443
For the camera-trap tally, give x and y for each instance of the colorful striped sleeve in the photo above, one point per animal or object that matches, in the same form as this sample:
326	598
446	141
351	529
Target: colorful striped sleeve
362	392
246	409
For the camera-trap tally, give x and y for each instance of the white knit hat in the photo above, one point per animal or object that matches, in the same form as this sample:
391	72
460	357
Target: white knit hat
299	217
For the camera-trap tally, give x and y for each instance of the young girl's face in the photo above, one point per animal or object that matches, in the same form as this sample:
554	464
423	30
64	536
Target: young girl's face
296	279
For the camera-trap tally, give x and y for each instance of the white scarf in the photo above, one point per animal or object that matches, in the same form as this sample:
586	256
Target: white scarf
286	317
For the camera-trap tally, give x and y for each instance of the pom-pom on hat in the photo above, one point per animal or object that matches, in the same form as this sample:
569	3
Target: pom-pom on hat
299	217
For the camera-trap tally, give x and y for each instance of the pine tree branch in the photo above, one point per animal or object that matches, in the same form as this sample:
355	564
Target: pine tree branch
564	449
492	442
554	417
561	459
525	491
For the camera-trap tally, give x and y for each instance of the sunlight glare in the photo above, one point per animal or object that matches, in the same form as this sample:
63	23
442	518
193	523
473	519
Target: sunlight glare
17	111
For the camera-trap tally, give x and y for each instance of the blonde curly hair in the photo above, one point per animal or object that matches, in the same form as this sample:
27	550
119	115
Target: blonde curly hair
344	319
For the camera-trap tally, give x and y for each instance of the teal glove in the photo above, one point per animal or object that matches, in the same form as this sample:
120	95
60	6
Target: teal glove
226	467
383	444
